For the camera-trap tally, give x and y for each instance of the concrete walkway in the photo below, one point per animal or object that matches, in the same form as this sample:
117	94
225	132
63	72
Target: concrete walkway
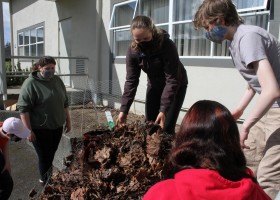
25	171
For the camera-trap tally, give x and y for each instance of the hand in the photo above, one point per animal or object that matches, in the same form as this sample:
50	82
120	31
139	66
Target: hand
243	136
32	137
68	126
237	114
160	119
121	120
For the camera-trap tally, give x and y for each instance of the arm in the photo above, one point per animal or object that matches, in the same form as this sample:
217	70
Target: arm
5	152
26	121
270	92
245	100
68	120
133	72
172	66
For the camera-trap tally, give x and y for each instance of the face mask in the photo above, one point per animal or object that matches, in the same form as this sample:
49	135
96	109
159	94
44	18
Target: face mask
47	74
217	34
146	44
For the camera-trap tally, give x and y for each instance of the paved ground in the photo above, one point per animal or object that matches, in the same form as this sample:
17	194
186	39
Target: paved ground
24	170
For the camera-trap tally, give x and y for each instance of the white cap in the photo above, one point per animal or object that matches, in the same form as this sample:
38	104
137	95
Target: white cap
15	126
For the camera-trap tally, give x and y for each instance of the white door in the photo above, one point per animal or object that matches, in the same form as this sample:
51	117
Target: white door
64	45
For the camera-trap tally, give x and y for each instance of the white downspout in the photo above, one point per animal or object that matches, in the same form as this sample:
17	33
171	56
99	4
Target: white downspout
3	82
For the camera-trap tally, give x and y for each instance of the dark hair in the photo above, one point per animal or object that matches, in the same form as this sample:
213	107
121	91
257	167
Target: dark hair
35	66
144	22
209	139
212	10
46	60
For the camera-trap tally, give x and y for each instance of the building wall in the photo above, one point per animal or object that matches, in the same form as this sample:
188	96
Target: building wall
89	35
29	13
209	78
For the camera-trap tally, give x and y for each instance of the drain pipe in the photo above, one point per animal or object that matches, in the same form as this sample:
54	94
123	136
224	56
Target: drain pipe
96	81
3	82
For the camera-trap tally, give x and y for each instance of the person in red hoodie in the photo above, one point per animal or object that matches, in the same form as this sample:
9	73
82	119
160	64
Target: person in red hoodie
207	161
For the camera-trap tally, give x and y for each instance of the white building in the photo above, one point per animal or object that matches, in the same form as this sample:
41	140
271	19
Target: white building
91	36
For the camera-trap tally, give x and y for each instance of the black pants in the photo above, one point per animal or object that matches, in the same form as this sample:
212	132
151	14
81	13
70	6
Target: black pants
6	181
153	98
46	144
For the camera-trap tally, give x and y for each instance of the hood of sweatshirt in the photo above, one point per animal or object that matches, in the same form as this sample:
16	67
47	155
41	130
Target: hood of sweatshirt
205	184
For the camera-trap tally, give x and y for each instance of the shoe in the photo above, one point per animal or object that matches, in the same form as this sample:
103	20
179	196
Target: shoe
41	182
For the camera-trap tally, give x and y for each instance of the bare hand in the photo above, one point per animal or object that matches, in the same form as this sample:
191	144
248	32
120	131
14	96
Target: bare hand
68	126
237	114
32	137
160	119
243	136
121	120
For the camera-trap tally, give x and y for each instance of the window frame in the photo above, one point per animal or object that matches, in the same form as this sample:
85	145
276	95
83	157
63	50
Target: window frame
28	45
242	12
262	7
113	14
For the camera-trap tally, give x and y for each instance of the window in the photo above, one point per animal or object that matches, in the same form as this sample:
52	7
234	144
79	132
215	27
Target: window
31	41
176	17
250	5
120	21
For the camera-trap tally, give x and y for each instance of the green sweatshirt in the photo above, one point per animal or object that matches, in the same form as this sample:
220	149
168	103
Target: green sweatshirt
44	100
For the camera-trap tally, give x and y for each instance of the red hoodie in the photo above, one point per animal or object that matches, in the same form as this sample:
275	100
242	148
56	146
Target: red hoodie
204	184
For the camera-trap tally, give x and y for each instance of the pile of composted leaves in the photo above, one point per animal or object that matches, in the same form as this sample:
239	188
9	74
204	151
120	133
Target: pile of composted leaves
119	164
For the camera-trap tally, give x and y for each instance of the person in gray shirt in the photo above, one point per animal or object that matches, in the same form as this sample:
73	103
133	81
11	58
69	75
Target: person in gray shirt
256	55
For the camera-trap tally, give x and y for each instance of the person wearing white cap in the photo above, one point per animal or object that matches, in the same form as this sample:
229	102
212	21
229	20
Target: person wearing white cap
11	126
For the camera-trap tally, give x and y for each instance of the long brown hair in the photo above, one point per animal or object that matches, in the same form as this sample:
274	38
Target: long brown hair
144	22
209	139
211	10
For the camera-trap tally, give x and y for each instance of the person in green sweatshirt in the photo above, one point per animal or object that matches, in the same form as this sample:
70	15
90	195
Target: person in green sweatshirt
43	106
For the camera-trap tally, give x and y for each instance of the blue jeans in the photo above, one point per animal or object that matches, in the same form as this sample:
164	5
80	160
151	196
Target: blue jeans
46	144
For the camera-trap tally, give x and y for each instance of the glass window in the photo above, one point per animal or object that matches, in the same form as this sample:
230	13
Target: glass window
40	34
123	40
40	49
31	42
26	37
178	23
158	10
123	13
20	51
33	36
20	38
33	50
249	5
185	9
26	51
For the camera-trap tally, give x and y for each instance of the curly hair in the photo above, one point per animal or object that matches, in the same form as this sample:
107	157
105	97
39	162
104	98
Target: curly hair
209	139
46	60
211	10
144	22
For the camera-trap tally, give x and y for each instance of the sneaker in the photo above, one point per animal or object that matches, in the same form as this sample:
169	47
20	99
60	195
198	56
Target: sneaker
41	182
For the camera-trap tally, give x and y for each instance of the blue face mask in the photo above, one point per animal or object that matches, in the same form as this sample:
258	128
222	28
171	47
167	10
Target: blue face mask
217	34
47	74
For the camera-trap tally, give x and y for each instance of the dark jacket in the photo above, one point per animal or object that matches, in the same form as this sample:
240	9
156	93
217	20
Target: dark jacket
164	70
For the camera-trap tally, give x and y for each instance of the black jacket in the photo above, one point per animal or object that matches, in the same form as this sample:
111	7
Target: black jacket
164	70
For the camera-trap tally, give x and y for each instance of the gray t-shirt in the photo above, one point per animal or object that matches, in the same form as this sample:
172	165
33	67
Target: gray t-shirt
253	43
